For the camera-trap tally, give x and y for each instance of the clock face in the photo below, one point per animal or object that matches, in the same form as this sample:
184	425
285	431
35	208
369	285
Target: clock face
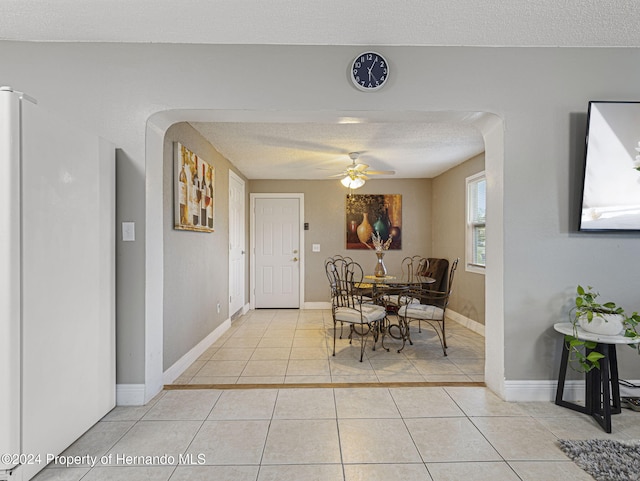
369	71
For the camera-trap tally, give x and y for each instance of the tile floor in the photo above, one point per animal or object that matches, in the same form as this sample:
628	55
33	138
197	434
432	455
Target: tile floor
445	433
331	434
271	346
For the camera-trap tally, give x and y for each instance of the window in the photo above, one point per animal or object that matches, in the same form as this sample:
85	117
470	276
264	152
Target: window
476	220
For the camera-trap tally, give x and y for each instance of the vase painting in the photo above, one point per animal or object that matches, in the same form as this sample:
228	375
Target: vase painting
364	230
373	213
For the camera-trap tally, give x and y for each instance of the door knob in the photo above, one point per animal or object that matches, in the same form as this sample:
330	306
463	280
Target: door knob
295	259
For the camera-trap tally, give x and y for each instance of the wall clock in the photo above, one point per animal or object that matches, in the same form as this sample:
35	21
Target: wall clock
369	71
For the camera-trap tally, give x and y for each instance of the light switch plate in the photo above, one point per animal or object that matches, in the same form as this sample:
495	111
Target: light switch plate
128	231
315	247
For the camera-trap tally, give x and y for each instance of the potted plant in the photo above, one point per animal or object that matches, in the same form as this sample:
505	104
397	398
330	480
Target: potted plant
606	319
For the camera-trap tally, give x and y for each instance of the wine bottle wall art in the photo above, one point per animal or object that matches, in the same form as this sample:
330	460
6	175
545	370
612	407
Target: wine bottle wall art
194	191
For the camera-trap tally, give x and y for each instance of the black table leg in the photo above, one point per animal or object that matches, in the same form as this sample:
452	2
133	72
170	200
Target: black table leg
601	386
616	408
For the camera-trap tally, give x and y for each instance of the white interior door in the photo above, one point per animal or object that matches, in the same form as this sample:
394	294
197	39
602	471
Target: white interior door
277	252
236	243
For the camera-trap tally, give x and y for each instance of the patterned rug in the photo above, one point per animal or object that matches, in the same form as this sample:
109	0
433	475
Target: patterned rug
605	459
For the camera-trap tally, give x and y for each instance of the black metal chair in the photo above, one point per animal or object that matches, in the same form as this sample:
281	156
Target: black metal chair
412	269
428	305
349	306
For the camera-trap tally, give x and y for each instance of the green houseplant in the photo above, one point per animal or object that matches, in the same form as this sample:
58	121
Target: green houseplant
603	318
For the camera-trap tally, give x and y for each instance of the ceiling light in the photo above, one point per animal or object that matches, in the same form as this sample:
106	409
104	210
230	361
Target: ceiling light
352	182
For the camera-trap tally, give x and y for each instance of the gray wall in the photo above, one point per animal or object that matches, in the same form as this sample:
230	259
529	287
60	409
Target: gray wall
449	221
324	209
196	264
130	276
540	94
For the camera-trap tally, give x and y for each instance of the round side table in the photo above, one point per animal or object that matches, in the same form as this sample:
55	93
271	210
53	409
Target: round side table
602	391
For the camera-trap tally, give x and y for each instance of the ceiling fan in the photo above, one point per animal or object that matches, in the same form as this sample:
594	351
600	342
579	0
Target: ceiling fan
356	174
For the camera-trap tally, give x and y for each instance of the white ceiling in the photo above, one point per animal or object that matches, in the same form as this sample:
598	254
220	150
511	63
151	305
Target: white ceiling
552	23
317	150
313	150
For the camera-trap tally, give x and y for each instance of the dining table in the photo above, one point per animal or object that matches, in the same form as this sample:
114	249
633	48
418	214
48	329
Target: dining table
380	288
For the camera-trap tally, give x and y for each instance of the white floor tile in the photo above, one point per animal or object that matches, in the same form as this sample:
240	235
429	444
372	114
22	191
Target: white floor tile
230	442
210	473
453	439
384	441
549	471
386	472
240	404
423	402
302	442
305	404
183	405
304	472
129	473
476	471
365	403
60	474
520	438
155	438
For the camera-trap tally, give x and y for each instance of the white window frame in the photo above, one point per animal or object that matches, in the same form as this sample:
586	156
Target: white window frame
471	181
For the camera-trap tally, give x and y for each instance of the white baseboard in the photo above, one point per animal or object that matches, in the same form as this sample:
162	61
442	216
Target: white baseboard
130	394
185	361
246	308
524	391
470	324
630	391
317	305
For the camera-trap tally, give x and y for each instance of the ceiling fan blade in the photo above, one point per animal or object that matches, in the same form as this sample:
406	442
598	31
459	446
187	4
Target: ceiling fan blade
360	167
363	176
381	172
341	174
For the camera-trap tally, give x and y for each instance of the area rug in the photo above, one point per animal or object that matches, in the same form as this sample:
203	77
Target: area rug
605	459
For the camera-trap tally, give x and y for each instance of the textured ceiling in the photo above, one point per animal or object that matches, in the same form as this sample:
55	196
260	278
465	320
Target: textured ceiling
565	23
316	150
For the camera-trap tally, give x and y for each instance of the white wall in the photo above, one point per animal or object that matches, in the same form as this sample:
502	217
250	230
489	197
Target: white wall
538	93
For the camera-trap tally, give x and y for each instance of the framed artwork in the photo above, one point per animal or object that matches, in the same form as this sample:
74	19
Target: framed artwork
194	193
367	213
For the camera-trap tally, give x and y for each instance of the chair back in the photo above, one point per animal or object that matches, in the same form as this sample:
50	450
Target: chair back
438	293
437	269
449	290
345	277
342	260
413	267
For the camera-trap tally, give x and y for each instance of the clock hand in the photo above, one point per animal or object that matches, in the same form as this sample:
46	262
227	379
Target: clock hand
369	69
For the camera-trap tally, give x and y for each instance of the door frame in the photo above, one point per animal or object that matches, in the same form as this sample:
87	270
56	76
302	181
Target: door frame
236	177
252	245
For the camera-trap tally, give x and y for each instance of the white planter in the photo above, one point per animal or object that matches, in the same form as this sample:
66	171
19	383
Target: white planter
603	324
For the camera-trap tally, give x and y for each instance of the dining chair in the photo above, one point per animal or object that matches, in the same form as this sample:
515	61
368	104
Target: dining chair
348	305
412	269
428	305
366	289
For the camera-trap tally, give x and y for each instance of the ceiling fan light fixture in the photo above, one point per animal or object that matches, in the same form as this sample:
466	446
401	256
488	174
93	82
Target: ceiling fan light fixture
352	182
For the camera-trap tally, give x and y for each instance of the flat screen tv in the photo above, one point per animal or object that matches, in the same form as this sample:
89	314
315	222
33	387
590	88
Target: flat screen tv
611	187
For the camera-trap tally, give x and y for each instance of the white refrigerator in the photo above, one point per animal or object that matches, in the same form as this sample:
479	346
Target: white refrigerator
57	284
